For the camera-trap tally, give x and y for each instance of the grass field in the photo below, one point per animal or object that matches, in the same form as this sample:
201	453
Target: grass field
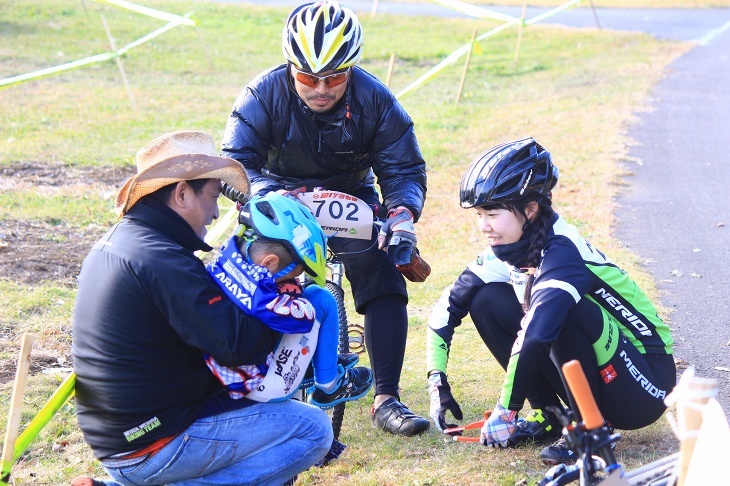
67	143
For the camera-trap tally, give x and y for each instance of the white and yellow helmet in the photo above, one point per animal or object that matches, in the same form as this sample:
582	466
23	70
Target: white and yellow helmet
322	36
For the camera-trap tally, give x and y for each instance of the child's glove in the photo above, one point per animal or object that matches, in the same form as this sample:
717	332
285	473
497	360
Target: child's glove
290	287
499	427
294	195
442	401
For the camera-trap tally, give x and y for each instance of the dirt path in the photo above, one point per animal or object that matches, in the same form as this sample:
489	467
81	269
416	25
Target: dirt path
33	250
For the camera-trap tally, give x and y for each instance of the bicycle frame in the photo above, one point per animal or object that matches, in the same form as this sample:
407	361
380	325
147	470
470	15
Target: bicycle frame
592	441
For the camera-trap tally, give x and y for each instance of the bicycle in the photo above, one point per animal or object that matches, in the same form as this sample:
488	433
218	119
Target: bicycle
346	216
592	441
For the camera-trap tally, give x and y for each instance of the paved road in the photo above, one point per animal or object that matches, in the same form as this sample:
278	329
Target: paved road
672	213
677	24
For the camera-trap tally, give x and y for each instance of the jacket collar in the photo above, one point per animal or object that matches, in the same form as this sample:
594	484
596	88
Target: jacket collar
159	216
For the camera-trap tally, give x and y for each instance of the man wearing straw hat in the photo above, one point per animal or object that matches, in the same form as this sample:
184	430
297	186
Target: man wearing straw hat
146	310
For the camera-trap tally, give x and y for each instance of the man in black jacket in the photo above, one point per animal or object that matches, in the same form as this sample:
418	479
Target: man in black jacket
146	311
321	121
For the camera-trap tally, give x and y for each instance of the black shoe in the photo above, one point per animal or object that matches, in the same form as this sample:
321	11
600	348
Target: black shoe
353	384
558	453
394	417
538	426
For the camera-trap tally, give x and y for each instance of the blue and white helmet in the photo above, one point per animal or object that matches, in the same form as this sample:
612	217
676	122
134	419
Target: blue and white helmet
274	217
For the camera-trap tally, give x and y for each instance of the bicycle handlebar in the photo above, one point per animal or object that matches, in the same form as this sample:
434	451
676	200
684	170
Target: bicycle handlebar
234	194
578	384
405	255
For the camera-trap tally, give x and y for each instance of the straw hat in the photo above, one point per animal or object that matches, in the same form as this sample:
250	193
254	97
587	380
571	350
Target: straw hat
175	157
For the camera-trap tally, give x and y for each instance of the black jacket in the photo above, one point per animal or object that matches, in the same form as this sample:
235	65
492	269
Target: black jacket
146	310
282	143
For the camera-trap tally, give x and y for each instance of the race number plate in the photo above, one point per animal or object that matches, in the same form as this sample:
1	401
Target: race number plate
340	214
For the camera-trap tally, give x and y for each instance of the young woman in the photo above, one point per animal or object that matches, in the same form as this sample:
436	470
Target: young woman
575	304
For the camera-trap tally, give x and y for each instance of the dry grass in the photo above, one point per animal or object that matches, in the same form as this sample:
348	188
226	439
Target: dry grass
574	90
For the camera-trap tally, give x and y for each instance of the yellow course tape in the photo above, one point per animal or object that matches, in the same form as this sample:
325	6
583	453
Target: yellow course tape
174	21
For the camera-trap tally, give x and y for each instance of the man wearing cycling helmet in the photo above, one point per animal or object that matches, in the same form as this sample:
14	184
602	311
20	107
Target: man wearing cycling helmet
146	310
321	121
540	295
258	268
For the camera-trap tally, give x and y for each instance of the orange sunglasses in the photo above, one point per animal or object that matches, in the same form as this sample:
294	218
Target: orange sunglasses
312	80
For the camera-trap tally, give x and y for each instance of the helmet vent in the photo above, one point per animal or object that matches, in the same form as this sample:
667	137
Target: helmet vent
265	208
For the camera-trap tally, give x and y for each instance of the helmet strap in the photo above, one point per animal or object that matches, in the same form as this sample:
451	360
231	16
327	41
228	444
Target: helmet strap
248	235
284	270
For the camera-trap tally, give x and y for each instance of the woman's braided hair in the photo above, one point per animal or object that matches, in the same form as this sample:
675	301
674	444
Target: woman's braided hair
540	227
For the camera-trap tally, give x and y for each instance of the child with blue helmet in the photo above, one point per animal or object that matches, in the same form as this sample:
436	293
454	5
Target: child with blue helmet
277	241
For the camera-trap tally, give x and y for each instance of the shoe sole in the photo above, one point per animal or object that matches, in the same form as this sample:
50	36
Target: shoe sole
325	406
555	462
416	431
531	440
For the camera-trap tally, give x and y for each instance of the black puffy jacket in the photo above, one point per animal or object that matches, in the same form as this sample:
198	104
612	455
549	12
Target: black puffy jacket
146	310
283	144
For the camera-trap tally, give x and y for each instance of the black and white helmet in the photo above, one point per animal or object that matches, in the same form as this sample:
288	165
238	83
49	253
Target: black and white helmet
507	172
322	36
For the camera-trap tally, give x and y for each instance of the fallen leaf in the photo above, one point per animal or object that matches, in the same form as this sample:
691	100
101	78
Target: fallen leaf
719	225
722	368
696	275
696	250
676	273
681	364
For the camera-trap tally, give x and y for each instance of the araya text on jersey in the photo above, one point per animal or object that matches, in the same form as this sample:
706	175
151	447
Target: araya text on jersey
234	289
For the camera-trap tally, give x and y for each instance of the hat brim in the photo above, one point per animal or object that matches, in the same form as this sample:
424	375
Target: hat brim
181	168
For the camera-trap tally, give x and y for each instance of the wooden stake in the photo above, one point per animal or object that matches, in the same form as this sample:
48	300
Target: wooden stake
466	67
88	17
391	65
119	61
16	401
595	15
519	32
374	10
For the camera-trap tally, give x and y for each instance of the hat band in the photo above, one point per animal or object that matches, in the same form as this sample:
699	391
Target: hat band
184	167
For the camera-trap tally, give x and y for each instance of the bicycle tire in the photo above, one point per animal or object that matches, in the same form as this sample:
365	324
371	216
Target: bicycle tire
662	472
343	346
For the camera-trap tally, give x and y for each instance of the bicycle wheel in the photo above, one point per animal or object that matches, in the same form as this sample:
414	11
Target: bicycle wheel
662	472
343	346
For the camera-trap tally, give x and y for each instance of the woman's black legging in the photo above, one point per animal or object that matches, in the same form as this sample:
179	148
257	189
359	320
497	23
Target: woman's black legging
497	313
629	386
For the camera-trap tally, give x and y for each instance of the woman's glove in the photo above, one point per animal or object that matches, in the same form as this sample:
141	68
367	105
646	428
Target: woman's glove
442	401
499	427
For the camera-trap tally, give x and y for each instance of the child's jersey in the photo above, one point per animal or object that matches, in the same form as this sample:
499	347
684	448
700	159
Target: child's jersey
254	289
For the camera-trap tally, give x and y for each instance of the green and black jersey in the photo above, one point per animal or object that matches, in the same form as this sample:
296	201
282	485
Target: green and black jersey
570	270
